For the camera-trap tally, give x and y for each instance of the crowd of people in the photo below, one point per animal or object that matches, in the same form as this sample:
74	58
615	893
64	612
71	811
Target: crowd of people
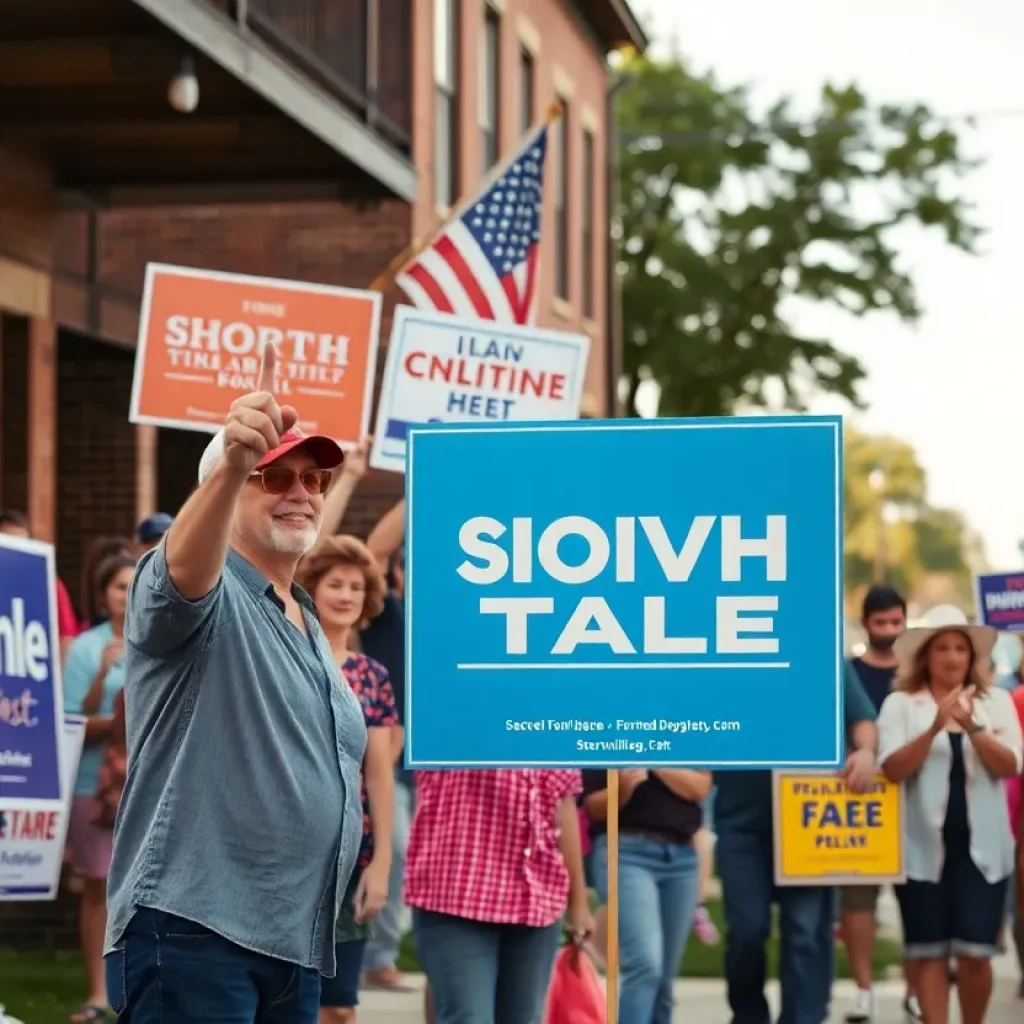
241	668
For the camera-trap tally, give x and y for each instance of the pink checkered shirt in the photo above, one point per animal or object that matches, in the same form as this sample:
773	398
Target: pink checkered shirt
484	845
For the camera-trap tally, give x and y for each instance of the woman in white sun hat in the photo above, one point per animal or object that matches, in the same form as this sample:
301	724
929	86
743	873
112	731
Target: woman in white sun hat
951	739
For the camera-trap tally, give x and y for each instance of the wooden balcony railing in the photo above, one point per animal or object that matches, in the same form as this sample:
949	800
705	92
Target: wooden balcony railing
361	50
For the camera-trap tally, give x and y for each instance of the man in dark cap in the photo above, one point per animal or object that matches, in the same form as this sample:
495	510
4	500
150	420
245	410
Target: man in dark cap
151	530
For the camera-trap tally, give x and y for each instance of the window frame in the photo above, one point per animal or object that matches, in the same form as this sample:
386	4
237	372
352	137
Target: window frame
527	88
489	99
588	223
563	136
447	100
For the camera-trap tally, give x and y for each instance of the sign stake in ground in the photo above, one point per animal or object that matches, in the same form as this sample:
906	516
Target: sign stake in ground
612	906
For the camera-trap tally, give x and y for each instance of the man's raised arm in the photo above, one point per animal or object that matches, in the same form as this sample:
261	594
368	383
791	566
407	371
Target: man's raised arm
197	542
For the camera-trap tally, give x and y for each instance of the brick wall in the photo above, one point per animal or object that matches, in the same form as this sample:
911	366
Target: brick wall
95	449
328	243
13	413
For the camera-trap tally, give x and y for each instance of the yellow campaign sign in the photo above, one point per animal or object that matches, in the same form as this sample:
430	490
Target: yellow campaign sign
825	834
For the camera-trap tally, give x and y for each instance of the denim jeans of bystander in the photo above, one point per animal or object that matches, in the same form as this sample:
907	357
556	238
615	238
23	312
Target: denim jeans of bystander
745	865
658	891
483	973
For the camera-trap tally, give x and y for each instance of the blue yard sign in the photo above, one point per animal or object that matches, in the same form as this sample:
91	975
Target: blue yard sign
625	594
1000	597
31	706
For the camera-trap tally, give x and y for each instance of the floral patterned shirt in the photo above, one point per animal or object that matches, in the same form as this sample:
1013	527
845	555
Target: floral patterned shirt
371	684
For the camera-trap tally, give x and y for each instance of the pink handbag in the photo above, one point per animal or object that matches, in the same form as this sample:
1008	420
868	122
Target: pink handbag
1014	794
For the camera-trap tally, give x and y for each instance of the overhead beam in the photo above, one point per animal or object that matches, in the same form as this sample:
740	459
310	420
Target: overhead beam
33	19
113	169
167	131
222	97
225	193
252	62
97	60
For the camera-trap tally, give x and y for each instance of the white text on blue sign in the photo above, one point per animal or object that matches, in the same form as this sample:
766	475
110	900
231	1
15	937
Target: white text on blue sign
743	624
25	648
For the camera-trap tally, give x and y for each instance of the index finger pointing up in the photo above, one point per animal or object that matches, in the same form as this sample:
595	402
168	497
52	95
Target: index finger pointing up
267	366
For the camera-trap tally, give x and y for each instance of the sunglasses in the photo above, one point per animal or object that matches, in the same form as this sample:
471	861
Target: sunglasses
281	479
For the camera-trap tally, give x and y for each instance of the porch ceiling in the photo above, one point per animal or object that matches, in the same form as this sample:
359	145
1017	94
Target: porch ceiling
85	85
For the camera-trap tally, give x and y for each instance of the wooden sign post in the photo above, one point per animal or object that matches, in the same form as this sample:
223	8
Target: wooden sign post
612	907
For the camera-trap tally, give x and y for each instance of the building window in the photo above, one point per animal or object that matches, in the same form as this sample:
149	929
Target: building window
589	170
527	89
561	154
446	105
490	88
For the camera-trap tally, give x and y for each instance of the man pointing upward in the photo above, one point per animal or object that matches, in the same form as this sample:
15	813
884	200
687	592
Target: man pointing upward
240	820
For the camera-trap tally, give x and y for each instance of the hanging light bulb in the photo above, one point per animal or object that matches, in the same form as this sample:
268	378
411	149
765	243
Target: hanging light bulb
183	89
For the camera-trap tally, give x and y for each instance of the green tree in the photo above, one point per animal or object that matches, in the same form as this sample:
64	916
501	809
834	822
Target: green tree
891	530
725	215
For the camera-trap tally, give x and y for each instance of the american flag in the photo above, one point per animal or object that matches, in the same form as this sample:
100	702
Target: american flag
483	262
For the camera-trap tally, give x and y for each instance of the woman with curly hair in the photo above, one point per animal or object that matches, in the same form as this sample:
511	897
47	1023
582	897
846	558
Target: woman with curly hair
348	588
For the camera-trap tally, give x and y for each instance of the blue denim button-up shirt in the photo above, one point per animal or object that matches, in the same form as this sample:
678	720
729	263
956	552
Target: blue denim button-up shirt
241	811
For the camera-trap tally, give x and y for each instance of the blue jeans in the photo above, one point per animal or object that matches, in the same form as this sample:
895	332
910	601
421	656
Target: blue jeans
386	928
482	973
171	969
746	867
658	890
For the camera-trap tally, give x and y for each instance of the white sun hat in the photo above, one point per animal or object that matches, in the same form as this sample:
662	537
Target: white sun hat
939	619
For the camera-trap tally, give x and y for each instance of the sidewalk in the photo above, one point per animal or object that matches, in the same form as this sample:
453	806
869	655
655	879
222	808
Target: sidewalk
703	1002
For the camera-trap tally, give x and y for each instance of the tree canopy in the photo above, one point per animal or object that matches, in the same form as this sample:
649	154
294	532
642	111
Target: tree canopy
726	214
892	532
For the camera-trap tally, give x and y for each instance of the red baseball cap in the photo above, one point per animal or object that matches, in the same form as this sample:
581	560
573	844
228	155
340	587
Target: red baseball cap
325	450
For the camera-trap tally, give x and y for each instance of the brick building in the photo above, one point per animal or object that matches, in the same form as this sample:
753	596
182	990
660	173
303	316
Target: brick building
328	135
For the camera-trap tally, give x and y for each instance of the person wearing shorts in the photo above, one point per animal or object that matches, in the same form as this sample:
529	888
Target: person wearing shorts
884	618
348	589
339	996
950	739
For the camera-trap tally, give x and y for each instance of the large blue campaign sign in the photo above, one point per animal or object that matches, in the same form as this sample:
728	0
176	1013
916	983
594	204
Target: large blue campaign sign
1000	597
31	706
625	594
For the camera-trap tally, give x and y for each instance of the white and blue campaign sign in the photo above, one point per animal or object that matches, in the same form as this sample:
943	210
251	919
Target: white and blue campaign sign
31	705
1000	599
612	594
448	369
32	840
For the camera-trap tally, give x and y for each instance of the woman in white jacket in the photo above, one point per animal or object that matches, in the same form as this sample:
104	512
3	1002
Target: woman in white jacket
951	739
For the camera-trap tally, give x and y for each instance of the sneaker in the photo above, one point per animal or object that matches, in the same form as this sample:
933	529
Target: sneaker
863	1009
704	928
912	1010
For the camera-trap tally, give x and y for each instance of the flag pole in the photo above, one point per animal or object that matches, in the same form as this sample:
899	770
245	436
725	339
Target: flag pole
386	277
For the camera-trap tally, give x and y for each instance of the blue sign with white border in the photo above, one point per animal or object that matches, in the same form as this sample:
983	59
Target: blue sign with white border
612	594
31	705
1000	597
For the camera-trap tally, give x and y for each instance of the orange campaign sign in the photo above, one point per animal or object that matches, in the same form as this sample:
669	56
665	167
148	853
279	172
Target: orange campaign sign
202	334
